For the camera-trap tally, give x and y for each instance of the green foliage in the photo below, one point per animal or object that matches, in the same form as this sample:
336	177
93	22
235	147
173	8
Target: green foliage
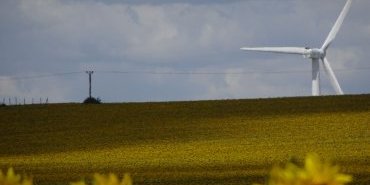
203	142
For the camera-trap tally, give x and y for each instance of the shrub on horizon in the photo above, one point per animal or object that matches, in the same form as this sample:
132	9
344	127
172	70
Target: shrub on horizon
92	100
314	172
10	178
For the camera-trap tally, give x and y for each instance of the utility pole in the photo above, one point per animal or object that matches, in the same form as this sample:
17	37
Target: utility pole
89	73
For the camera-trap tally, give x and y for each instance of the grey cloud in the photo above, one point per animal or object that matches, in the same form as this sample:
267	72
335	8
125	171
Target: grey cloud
121	31
160	2
38	36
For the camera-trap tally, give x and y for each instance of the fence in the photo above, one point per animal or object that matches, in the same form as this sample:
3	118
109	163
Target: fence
24	101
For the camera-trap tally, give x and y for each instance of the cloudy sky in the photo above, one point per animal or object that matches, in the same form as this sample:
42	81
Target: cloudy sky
170	50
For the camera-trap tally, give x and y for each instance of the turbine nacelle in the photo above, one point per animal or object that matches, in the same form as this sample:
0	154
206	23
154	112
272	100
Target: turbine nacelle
314	53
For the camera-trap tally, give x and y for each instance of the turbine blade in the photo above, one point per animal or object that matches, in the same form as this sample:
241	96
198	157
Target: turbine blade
333	80
286	50
337	25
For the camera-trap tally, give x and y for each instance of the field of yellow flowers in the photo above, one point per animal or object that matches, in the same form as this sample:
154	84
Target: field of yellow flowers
179	143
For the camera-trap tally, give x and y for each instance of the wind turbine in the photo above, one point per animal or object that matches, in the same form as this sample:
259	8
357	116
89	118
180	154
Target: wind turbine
316	54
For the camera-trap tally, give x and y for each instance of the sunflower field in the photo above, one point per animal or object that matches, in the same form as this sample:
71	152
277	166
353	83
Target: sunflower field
224	142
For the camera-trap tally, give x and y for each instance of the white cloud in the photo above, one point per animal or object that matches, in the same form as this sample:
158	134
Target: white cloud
29	89
239	83
137	32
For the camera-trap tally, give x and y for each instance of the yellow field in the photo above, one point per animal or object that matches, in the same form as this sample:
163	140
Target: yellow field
204	142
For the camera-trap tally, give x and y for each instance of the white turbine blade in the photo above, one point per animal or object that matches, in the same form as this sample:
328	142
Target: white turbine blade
333	79
286	50
337	25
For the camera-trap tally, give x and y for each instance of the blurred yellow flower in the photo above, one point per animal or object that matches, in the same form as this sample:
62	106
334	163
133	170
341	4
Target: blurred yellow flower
10	178
78	183
110	179
314	172
322	172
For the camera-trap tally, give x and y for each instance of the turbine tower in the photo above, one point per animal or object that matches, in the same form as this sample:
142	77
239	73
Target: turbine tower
315	54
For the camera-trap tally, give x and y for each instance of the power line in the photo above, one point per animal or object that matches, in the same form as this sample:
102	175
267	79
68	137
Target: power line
39	76
225	73
177	73
196	73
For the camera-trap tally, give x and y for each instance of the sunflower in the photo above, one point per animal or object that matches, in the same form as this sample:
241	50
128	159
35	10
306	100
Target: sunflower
110	179
10	178
314	172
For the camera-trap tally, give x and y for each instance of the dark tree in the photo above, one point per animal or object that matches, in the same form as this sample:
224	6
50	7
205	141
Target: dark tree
92	100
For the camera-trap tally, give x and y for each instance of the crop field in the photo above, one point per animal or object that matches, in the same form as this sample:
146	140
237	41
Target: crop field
224	142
